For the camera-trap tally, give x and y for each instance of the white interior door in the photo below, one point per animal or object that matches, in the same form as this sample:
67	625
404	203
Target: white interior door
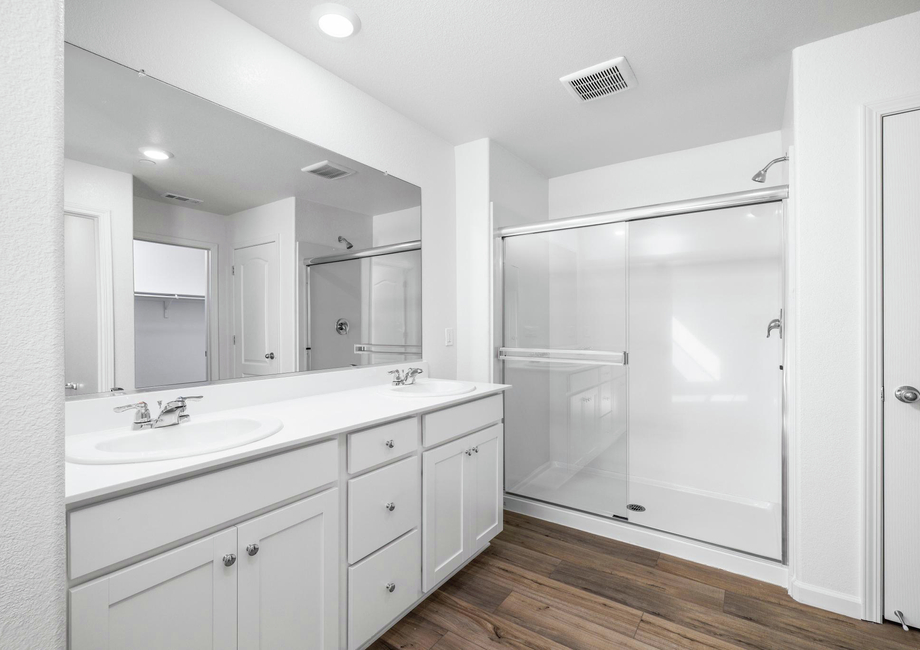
185	598
257	310
901	241
89	344
81	302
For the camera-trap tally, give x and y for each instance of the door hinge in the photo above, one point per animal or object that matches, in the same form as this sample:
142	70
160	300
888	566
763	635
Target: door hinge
233	270
882	395
234	339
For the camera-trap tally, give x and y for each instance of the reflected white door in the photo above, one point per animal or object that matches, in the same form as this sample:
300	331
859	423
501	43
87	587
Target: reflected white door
89	355
901	241
256	310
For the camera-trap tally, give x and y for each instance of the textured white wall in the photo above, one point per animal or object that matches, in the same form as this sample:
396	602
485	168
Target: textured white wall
205	49
832	81
703	171
32	561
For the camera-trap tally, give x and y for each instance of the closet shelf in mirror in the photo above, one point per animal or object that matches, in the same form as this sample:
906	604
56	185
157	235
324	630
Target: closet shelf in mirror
168	296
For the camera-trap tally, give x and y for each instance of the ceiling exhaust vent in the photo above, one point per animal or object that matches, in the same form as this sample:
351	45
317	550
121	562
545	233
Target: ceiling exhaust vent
329	171
183	199
614	76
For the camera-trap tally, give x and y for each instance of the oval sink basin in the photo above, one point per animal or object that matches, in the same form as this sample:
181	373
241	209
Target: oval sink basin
431	388
180	441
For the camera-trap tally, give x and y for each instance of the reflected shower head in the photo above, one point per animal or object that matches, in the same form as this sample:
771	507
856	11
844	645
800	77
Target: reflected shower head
761	176
347	243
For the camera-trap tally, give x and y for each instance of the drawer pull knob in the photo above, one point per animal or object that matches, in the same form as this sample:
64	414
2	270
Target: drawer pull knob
229	559
476	449
391	587
390	506
390	444
468	452
252	549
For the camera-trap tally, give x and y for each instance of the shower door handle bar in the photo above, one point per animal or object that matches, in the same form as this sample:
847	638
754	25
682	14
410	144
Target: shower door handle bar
588	357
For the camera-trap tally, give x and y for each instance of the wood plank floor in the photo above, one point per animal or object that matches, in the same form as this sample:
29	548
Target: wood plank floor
541	585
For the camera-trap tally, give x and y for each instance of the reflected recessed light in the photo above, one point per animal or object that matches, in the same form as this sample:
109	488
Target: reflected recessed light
147	161
156	154
335	20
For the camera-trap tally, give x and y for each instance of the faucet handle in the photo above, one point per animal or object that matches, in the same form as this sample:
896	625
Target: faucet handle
142	413
140	406
398	377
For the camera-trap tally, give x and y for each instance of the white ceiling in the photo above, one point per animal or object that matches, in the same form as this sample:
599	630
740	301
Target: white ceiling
230	162
708	70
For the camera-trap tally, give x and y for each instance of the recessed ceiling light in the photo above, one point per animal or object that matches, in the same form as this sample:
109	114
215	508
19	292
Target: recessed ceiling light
335	20
156	154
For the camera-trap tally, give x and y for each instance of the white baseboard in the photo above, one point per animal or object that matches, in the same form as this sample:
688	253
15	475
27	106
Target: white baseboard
714	556
833	601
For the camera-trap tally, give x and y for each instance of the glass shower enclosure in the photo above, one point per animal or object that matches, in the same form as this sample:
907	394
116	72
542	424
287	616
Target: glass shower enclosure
647	387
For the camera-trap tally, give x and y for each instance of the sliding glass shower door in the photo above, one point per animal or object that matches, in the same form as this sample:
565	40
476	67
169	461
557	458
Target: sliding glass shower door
705	399
646	364
564	341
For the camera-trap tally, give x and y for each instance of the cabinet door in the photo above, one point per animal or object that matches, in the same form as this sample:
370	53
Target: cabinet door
183	599
289	577
485	487
444	512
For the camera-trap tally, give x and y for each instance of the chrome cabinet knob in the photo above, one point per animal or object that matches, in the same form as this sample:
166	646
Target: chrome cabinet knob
270	355
391	587
907	394
476	449
390	506
468	452
229	559
389	444
252	549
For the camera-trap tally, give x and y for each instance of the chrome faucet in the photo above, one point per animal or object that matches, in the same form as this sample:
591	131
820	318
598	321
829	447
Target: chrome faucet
171	414
141	414
174	412
405	379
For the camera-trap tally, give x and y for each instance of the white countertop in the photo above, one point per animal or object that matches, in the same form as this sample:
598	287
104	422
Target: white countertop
305	420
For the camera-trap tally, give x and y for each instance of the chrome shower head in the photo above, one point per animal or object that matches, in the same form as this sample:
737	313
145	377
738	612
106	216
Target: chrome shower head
761	176
347	243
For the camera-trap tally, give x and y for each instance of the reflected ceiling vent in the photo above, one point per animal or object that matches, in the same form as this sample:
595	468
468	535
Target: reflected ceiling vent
329	171
182	199
614	76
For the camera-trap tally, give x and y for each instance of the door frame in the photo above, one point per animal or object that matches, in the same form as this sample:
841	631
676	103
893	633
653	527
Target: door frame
212	299
105	290
872	574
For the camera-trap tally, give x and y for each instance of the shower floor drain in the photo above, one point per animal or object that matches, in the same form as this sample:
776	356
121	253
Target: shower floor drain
635	507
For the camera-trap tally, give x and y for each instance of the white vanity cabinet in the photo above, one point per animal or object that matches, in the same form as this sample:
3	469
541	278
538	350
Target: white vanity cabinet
185	598
289	577
268	583
462	501
321	547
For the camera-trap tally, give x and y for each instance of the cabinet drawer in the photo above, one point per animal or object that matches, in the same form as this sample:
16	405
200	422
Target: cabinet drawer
441	426
371	604
371	523
118	530
381	444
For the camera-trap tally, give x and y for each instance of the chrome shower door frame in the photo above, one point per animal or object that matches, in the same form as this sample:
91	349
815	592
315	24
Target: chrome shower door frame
774	194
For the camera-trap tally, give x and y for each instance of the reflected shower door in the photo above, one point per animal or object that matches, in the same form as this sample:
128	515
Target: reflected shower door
705	397
564	336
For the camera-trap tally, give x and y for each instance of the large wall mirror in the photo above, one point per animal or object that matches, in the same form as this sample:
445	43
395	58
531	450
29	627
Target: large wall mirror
201	245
